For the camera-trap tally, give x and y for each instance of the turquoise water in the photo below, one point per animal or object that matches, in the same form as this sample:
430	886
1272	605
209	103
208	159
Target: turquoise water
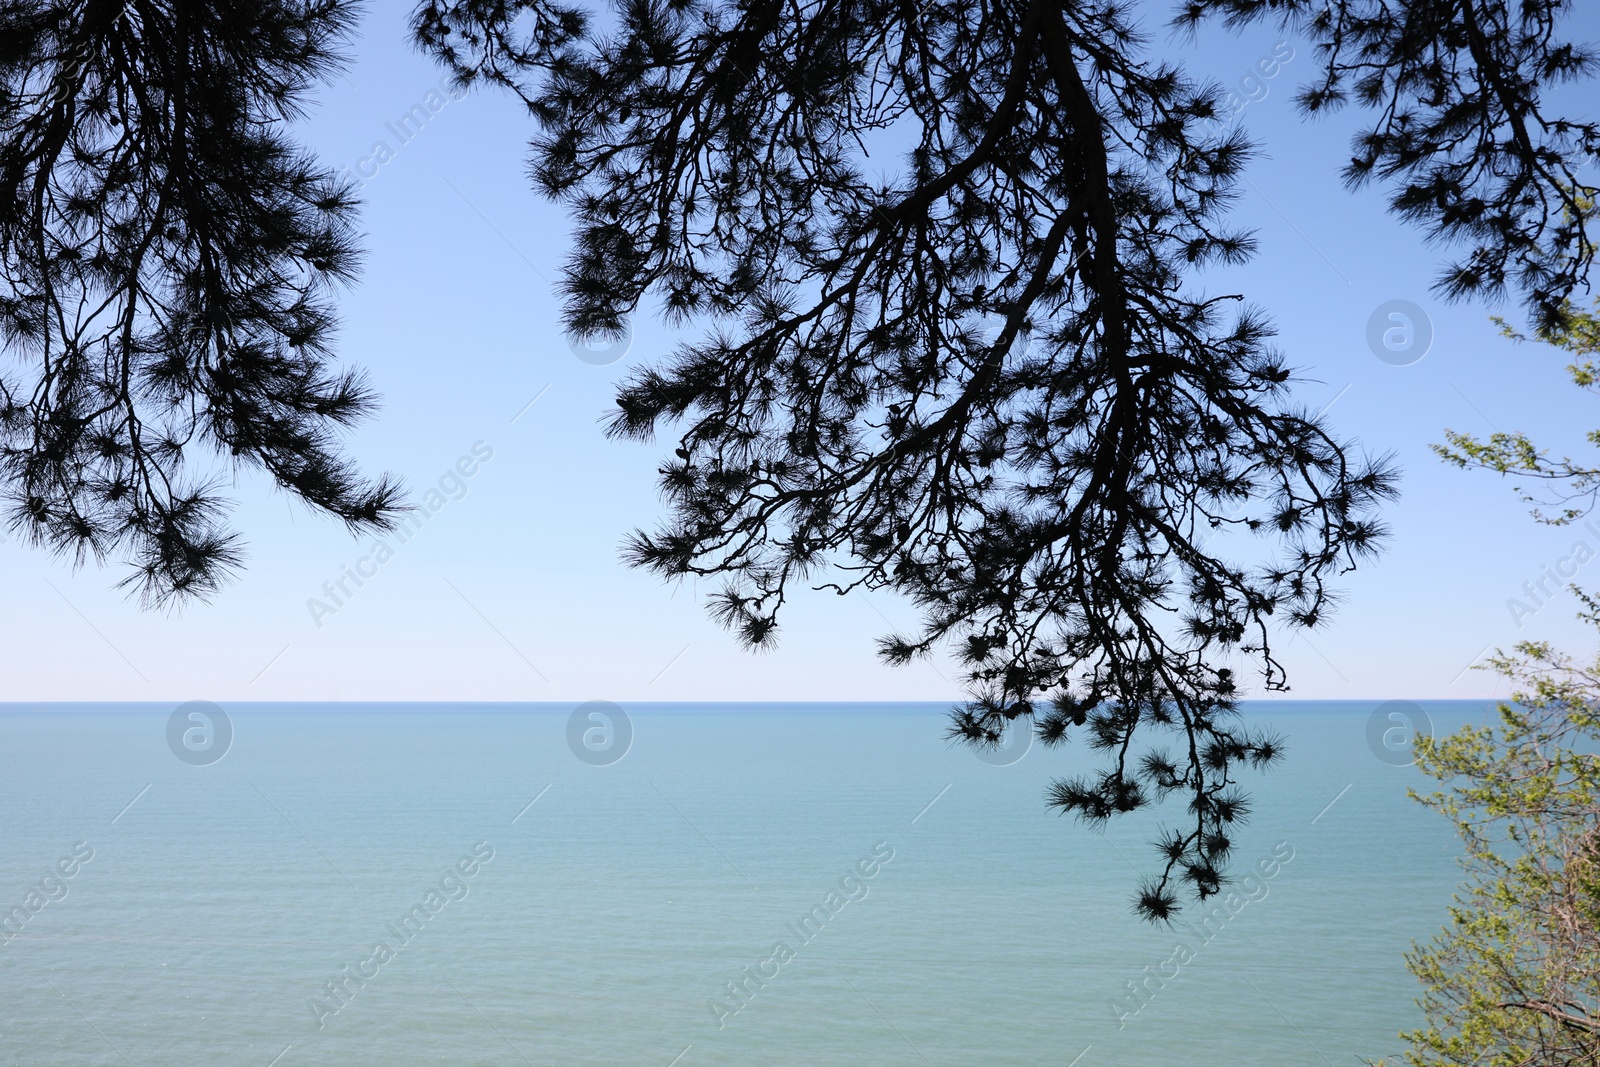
969	924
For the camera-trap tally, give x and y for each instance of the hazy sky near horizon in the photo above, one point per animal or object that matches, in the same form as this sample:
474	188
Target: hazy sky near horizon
513	590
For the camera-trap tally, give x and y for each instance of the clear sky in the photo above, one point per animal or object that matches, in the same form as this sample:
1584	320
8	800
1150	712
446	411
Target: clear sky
513	590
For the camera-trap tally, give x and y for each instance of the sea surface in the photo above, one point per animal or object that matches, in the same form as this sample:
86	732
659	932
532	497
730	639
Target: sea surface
681	886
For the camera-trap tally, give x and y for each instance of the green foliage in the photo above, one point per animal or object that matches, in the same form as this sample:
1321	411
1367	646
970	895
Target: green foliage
1578	333
1514	979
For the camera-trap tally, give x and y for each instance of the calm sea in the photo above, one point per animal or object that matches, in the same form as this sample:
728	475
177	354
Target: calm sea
745	885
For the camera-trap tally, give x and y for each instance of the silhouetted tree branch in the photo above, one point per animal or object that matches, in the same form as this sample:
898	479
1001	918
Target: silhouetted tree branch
986	380
167	257
1047	494
1462	132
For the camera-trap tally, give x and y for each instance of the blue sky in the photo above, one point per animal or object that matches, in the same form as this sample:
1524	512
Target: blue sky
512	590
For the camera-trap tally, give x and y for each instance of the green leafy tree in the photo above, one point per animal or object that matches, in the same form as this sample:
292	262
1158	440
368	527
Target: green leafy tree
1514	978
1574	483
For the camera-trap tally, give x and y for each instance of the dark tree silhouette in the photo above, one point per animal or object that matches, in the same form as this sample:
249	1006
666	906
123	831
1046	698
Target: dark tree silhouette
1460	133
988	380
167	256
